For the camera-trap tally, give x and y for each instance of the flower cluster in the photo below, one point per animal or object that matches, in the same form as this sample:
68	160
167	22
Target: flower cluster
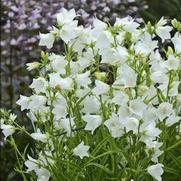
22	21
108	104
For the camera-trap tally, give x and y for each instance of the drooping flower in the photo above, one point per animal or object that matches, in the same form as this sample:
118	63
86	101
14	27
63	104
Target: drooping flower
93	122
47	40
156	171
39	136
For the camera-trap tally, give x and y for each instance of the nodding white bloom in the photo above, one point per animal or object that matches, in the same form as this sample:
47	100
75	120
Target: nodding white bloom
58	63
156	171
81	150
127	24
39	85
37	102
93	122
137	106
126	76
172	63
155	147
120	98
39	136
114	126
91	105
23	102
177	42
146	45
159	77
163	31
69	31
31	164
65	16
165	109
172	119
101	88
43	174
124	112
7	130
67	124
174	89
62	83
47	40
149	131
131	124
83	79
99	25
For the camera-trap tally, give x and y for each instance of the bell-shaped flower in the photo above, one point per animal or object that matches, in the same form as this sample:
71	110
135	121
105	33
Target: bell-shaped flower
149	131
81	150
47	40
137	106
67	124
146	45
101	88
156	171
39	85
7	130
58	63
43	174
120	98
172	63
91	105
177	42
62	83
93	122
126	76
131	124
163	31
165	109
159	77
31	164
83	79
23	102
65	16
114	126
174	89
39	136
172	119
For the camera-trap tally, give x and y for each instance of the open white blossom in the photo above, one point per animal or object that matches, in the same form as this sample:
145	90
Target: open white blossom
156	171
81	150
47	40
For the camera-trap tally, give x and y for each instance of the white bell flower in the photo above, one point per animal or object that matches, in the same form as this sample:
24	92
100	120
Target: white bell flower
165	109
43	174
39	136
137	106
93	122
172	119
7	130
174	89
31	164
146	45
126	76
39	85
177	42
81	150
58	63
120	98
114	126
156	171
131	124
83	79
47	40
101	88
67	124
163	31
62	83
159	77
91	105
23	102
65	16
172	63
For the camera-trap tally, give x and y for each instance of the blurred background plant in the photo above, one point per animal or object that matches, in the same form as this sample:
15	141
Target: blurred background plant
21	22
